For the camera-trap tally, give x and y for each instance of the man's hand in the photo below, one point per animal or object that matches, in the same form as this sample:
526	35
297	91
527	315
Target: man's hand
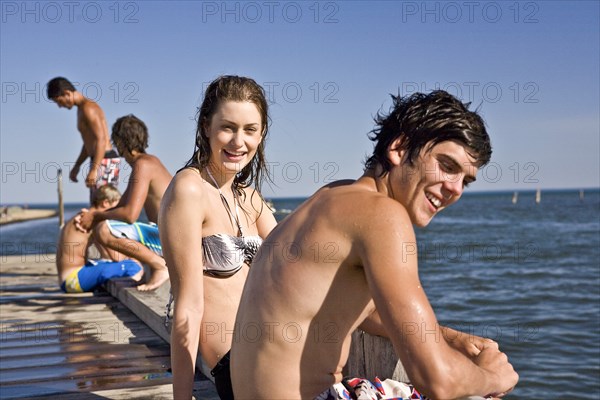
84	220
469	345
90	180
496	363
73	173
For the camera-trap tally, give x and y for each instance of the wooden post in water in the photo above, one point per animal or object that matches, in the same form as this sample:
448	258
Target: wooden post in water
61	208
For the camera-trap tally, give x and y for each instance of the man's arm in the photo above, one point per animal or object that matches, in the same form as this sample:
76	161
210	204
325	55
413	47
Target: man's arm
130	206
373	325
434	367
96	125
467	344
80	159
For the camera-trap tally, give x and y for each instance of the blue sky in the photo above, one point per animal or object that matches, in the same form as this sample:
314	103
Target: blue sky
532	67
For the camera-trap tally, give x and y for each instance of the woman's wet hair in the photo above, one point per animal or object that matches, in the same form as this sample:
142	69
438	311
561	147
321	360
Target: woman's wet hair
240	89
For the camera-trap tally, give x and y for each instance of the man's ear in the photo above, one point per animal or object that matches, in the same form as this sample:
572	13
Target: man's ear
396	152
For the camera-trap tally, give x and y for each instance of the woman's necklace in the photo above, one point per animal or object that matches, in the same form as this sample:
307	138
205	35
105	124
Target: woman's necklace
236	201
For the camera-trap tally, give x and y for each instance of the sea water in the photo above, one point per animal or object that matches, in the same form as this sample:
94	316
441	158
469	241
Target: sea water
526	275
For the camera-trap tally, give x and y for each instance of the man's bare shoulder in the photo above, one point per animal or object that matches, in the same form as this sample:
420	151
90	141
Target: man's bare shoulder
149	163
342	182
359	207
90	108
350	194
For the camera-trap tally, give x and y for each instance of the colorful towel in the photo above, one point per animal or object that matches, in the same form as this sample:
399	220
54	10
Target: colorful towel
363	389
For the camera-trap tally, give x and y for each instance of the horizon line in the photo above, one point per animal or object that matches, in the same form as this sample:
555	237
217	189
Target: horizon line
468	193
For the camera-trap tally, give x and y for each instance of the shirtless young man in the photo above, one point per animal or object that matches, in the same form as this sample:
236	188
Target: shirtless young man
117	228
91	123
346	259
76	273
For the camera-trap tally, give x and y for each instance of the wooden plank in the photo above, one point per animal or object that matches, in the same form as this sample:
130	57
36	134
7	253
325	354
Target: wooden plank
59	387
98	352
150	307
74	345
202	390
86	366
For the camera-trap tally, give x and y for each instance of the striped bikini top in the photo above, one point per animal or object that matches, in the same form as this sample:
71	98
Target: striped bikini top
223	255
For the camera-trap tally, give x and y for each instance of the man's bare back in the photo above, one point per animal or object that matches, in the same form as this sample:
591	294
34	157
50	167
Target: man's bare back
71	250
90	117
148	182
330	312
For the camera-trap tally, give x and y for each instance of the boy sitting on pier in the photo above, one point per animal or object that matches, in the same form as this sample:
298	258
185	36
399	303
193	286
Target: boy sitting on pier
353	264
117	228
78	274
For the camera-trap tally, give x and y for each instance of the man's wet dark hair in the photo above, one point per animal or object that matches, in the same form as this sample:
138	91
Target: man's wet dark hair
424	120
57	86
130	133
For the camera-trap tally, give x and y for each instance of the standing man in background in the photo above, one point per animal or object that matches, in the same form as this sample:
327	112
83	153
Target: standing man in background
91	123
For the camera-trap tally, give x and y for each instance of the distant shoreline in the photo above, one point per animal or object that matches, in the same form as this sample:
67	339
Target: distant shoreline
12	215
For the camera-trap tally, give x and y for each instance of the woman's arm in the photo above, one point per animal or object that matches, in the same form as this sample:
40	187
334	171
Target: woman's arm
266	220
180	226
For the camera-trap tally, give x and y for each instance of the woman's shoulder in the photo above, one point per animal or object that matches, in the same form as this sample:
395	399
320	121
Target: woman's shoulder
188	181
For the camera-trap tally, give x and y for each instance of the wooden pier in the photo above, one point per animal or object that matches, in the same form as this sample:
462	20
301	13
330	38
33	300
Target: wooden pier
11	215
111	344
76	346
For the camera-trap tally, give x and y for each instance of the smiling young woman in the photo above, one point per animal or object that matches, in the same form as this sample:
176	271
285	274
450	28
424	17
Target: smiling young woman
213	220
